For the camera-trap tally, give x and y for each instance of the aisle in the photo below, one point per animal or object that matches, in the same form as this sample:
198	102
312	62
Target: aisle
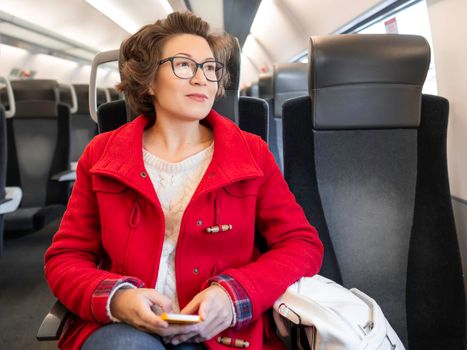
24	295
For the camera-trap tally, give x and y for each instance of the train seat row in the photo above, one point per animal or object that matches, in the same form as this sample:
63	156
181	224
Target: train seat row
365	156
46	133
10	197
35	153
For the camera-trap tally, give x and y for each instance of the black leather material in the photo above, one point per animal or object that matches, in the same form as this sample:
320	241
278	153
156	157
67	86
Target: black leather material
36	109
82	95
111	115
39	138
379	193
300	174
114	94
3	162
253	116
290	80
366	179
265	86
36	89
435	289
101	96
367	81
227	105
65	95
83	128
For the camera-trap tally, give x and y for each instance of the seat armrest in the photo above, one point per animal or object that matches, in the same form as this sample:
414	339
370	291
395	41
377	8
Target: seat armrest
13	196
52	325
67	175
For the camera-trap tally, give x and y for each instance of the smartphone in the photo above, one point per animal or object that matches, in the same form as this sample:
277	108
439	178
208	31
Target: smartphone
180	318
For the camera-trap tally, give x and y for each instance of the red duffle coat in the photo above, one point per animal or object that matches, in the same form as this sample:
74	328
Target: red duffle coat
114	227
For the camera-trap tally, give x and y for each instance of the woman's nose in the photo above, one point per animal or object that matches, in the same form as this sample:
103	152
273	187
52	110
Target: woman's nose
199	77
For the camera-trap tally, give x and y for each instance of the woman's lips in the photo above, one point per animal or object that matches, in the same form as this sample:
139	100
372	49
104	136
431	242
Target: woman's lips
198	97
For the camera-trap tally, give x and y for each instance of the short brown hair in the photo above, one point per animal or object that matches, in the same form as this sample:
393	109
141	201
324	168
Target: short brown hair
140	55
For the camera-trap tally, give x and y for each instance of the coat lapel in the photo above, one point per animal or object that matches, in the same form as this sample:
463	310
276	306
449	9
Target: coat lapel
232	159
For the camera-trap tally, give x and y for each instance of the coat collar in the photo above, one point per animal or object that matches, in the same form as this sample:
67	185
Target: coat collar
232	160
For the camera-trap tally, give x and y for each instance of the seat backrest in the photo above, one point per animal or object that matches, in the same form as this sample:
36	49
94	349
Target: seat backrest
68	96
37	89
3	166
111	115
365	157
227	105
114	94
289	80
254	116
265	86
39	142
83	128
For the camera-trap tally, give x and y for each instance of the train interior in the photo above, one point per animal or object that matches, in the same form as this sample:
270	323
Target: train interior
361	103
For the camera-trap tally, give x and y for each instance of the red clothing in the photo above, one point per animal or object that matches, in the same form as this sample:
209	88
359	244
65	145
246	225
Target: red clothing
114	221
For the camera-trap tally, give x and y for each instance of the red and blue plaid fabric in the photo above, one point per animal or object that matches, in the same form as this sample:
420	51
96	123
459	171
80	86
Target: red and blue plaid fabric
102	292
241	302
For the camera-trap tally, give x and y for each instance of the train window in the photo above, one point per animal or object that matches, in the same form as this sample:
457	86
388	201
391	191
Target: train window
401	17
409	19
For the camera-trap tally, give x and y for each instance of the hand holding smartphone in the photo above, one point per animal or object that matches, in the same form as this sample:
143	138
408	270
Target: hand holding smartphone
180	318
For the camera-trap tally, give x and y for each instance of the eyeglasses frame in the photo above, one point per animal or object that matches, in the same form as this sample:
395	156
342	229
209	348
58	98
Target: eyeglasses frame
198	65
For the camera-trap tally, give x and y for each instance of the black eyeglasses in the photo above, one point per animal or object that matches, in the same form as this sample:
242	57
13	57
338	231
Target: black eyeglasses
186	68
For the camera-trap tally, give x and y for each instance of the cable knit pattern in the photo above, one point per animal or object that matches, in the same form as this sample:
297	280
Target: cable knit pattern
175	184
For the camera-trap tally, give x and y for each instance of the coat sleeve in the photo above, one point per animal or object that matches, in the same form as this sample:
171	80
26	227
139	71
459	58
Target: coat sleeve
294	248
72	260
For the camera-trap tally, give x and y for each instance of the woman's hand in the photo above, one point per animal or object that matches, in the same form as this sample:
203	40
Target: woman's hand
134	307
214	306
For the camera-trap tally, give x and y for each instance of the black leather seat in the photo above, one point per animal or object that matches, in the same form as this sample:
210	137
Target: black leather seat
10	197
38	149
365	155
227	105
289	80
112	115
83	128
114	94
3	160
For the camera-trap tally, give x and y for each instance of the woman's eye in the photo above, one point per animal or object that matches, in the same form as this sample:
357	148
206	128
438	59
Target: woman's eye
211	67
182	64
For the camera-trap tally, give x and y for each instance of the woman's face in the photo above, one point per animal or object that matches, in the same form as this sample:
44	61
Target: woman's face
184	99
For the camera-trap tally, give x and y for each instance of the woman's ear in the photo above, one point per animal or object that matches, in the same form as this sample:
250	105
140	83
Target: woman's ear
151	91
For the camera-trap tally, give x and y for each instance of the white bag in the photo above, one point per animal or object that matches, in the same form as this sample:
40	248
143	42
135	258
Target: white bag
333	317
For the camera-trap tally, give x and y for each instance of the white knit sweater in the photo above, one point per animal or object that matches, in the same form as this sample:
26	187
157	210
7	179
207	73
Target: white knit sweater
175	184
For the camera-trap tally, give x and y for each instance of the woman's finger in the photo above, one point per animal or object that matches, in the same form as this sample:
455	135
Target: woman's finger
178	339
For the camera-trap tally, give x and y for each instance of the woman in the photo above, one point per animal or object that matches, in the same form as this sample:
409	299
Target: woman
164	210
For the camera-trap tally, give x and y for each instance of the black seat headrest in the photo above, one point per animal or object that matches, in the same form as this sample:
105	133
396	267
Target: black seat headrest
114	94
82	94
36	109
290	80
265	89
227	105
233	66
365	81
36	89
102	96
